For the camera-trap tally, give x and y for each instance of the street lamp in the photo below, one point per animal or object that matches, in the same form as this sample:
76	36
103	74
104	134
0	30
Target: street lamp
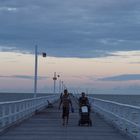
63	86
54	79
60	86
36	68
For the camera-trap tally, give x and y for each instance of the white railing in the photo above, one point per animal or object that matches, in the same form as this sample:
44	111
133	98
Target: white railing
123	116
15	111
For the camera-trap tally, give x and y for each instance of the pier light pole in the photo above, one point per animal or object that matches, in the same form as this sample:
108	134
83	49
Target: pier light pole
54	79
36	64
60	86
36	69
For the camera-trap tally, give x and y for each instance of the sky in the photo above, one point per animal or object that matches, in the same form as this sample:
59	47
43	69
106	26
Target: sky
94	45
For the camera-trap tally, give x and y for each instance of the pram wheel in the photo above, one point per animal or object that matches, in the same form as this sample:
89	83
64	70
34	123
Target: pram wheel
90	123
79	123
87	123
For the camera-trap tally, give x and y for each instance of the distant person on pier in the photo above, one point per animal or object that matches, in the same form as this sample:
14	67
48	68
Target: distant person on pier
65	101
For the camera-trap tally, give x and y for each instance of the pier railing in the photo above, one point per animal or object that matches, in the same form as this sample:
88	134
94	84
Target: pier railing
16	111
125	117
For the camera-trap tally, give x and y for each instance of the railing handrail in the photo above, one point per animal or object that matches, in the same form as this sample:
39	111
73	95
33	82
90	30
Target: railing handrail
117	103
12	112
123	116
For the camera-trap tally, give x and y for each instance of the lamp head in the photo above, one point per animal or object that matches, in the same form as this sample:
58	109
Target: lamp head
44	54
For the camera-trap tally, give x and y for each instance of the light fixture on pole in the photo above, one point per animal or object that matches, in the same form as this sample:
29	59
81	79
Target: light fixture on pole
36	68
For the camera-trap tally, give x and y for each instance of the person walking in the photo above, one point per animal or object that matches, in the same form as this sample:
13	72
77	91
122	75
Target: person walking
66	103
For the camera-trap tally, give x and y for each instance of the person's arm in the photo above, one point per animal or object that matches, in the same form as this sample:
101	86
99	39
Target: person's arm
70	102
60	103
61	96
87	101
72	109
79	101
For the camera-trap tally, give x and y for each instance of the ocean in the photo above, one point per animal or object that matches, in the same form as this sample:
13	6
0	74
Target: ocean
18	96
125	99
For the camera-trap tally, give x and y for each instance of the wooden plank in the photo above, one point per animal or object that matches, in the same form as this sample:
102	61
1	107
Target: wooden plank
47	125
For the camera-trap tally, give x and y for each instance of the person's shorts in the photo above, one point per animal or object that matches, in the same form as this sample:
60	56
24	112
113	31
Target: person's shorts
65	112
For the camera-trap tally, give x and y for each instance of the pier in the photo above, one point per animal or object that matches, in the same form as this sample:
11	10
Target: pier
46	123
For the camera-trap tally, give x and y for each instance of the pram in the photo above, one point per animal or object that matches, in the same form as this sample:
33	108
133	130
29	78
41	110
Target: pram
85	116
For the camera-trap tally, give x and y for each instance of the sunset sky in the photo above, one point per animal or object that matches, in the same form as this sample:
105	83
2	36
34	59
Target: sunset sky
94	45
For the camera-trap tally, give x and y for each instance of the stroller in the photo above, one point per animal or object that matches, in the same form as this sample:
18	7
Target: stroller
85	116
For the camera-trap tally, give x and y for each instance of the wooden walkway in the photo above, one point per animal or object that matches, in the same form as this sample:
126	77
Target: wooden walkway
47	125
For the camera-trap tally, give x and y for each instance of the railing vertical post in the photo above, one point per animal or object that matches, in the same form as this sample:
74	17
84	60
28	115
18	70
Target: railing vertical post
20	110
125	117
10	113
16	111
3	115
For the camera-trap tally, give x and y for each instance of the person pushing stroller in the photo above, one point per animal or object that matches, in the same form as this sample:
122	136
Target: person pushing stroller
83	101
84	110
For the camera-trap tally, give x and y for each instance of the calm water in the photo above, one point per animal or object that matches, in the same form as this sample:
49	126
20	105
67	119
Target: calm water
126	99
18	96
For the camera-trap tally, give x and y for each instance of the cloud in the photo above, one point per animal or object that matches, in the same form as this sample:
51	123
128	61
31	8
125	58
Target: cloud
28	77
10	9
125	77
75	28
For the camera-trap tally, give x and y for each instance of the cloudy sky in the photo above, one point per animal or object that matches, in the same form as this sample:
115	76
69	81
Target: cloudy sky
94	44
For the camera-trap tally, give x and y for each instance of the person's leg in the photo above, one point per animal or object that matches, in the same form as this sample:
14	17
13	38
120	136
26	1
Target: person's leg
67	119
67	116
63	120
64	115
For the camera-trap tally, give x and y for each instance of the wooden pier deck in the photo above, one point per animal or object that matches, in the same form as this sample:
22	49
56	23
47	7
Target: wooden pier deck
47	125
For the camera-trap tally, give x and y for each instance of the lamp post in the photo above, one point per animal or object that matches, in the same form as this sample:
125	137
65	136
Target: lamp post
63	86
35	77
60	86
36	69
54	79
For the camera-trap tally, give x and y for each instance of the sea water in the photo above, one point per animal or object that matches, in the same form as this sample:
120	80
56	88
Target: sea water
18	96
125	99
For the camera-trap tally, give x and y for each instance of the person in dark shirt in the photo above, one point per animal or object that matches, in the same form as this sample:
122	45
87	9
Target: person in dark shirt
65	101
83	101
